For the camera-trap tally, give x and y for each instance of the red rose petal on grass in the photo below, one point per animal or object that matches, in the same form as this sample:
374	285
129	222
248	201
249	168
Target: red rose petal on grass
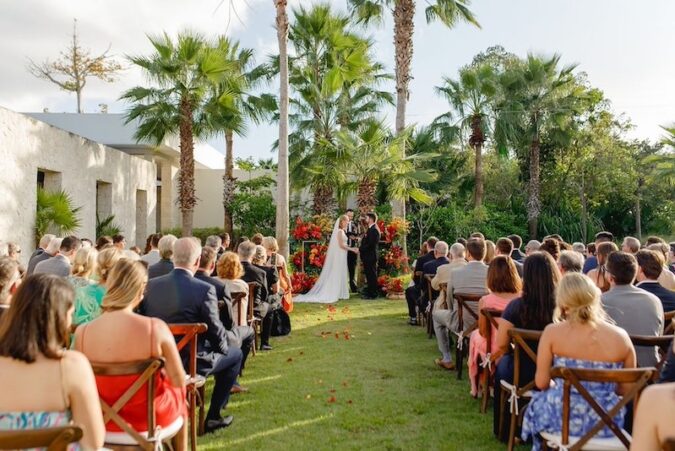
290	359
337	336
349	402
332	390
302	352
331	399
344	383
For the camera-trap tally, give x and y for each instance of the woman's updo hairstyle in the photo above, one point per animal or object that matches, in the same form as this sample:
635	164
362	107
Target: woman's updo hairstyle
578	300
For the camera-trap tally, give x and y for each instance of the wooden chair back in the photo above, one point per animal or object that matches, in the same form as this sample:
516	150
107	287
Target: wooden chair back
146	370
251	320
491	315
573	378
417	276
237	301
669	444
668	325
465	304
661	342
53	439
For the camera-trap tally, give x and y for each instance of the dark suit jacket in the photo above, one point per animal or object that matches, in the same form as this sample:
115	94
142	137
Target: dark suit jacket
161	268
254	274
178	297
666	296
431	267
35	260
419	266
222	293
369	245
517	255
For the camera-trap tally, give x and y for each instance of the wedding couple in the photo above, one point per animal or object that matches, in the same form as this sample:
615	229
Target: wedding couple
333	283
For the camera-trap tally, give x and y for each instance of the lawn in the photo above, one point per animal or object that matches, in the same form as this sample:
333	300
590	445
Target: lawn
355	376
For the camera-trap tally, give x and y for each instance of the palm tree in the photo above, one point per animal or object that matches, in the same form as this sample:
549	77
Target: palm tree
283	208
55	212
183	73
448	12
539	102
471	98
233	106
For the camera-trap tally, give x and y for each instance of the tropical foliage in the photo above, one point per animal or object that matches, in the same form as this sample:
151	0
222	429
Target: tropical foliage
55	213
106	226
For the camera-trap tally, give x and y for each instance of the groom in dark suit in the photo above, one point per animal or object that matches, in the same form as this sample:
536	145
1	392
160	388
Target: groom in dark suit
368	253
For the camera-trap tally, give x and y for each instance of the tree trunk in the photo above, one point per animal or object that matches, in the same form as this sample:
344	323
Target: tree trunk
186	176
365	197
584	209
404	14
638	209
323	201
476	140
533	203
79	100
283	214
229	183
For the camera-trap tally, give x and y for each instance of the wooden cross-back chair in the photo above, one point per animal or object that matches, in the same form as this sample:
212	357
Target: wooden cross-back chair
428	314
668	325
572	379
518	390
195	386
251	319
146	370
662	342
52	439
486	367
464	306
237	303
417	277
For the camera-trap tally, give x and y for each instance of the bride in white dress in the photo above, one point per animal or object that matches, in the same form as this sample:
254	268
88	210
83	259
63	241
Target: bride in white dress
333	283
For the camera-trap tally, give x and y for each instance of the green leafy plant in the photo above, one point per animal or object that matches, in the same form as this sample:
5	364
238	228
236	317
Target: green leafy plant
55	213
107	226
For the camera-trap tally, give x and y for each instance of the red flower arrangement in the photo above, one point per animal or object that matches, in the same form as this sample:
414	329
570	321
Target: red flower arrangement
395	258
317	255
395	285
298	258
302	282
383	282
306	230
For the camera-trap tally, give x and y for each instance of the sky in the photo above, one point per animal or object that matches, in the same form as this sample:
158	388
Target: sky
627	50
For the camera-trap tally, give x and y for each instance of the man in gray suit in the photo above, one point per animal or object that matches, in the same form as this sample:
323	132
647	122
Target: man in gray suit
60	264
468	279
632	308
50	250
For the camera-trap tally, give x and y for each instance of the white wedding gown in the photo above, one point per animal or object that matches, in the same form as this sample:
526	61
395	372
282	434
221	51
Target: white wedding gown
333	283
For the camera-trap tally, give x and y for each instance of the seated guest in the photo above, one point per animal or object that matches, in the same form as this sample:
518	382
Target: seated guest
570	261
10	278
489	252
119	241
534	311
104	242
668	369
230	270
225	243
424	250
164	265
61	263
633	309
238	336
214	242
667	278
413	293
671	257
260	261
505	247
580	248
42	384
516	255
178	297
469	279
654	240
257	239
599	274
153	256
592	262
38	255
444	272
477	235
431	268
504	284
13	251
581	337
462	241
650	266
50	251
552	246
84	267
277	260
630	245
532	246
590	252
89	296
654	418
121	336
262	307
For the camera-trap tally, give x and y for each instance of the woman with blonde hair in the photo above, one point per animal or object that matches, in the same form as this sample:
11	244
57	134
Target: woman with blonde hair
580	337
490	251
88	297
599	275
119	335
230	270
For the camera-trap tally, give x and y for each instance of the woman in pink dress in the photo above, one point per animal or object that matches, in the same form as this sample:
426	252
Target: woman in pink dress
504	285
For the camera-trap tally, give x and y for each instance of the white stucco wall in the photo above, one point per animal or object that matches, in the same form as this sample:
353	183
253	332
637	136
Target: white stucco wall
27	145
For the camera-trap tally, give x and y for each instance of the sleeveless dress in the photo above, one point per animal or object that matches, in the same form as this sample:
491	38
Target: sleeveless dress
544	412
88	299
21	421
170	401
478	343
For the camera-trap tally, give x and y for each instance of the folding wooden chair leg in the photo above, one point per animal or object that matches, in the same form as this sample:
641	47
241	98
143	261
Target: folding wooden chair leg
486	390
192	414
202	414
502	410
512	430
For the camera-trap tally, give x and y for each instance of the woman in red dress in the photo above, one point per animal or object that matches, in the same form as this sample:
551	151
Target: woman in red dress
119	335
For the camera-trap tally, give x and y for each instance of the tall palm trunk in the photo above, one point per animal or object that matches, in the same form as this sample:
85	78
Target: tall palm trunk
323	200
476	141
366	195
283	214
186	176
404	14
229	182
533	202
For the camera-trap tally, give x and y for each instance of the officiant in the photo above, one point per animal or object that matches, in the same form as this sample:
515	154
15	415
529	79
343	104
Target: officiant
353	237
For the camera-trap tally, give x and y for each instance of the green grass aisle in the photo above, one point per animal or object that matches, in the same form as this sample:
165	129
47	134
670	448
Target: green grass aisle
353	377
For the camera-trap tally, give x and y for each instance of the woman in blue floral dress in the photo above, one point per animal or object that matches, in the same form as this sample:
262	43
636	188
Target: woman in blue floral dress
580	337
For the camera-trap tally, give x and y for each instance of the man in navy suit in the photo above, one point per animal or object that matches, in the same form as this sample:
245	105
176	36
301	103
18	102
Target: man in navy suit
164	265
650	265
431	268
178	297
412	294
